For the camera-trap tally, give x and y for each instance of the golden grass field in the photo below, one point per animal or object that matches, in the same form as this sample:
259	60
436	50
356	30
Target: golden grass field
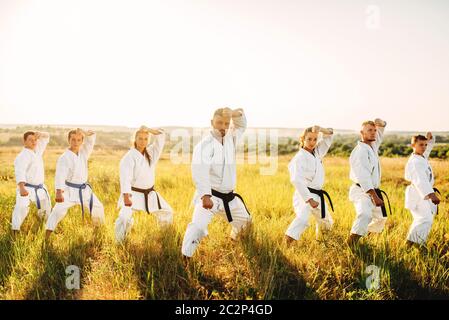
258	266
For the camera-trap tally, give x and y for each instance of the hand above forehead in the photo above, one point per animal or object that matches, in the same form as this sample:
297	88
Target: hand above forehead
228	112
429	135
380	123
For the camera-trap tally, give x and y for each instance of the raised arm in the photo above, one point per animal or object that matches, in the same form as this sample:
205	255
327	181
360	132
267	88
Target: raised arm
239	122
155	149
43	138
89	142
325	142
201	162
430	144
380	125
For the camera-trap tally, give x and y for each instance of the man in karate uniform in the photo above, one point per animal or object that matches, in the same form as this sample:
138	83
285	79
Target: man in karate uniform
71	183
29	171
420	197
365	172
137	178
214	175
307	175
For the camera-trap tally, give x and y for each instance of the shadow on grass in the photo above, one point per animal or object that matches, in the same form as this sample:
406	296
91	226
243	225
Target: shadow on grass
160	268
51	283
8	259
276	277
403	281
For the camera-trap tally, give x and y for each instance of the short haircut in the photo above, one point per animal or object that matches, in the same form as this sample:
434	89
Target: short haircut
219	112
27	134
417	138
74	131
368	123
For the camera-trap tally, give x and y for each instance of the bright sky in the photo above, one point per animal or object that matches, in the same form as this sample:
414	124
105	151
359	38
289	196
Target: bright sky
287	63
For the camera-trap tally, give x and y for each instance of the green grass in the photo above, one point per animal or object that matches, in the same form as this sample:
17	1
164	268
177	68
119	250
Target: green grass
149	264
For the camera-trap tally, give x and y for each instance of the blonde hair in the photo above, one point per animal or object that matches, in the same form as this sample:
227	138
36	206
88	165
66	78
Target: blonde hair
368	123
302	137
74	131
145	152
219	112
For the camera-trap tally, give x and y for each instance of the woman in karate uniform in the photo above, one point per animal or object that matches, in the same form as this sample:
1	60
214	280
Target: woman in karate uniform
307	175
137	178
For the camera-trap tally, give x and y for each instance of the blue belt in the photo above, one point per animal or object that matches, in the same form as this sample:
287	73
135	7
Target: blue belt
80	188
37	187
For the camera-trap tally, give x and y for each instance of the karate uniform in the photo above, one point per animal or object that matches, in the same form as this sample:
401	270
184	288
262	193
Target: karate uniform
136	172
214	167
307	171
419	173
365	170
29	168
73	169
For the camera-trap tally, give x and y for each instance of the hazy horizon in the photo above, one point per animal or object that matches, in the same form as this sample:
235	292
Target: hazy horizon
287	63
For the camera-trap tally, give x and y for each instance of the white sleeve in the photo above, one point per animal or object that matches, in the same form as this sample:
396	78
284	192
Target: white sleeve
88	145
201	162
360	167
42	142
429	148
155	149
239	125
21	164
324	144
126	173
298	179
420	180
379	138
62	172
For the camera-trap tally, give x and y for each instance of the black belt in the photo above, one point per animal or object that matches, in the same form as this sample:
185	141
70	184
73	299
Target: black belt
379	193
146	192
437	191
228	197
321	194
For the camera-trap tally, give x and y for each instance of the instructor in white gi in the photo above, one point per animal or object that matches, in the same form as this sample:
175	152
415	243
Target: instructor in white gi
365	172
214	175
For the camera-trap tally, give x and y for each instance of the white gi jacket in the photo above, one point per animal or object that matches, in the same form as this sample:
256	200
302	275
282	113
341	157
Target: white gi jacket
136	172
419	173
73	168
29	168
307	171
365	165
214	164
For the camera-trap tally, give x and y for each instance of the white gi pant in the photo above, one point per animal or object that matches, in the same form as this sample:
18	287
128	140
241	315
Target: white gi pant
22	206
197	229
125	219
368	218
303	211
423	213
60	210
